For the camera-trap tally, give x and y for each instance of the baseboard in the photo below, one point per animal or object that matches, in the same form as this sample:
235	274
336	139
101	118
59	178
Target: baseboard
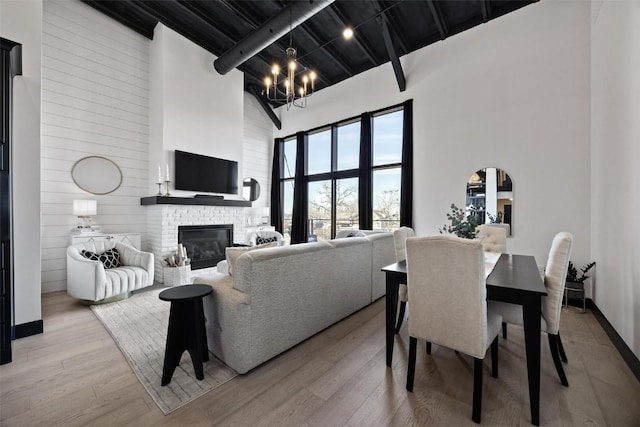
627	355
27	329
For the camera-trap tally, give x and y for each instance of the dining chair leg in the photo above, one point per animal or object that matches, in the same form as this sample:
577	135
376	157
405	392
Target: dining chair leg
494	358
403	307
411	366
563	355
477	389
555	355
504	330
428	347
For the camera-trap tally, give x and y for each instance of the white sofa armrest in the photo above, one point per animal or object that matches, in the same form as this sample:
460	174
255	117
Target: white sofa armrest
81	270
135	258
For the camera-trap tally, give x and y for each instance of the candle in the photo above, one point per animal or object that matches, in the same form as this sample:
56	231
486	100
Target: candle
167	174
159	174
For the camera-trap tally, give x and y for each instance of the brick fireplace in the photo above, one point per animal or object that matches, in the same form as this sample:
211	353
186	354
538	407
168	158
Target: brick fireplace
163	222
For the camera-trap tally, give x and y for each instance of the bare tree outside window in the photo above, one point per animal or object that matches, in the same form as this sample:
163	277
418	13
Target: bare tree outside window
386	210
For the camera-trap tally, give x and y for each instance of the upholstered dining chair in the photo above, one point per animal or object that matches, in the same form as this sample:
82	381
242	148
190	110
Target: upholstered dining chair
554	279
494	239
399	238
447	294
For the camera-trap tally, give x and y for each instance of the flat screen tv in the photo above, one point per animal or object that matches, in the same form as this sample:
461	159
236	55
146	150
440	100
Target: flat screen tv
195	172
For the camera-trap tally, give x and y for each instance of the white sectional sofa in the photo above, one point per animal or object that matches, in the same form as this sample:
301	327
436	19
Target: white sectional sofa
280	296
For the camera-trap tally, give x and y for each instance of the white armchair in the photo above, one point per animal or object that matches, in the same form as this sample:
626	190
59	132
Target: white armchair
89	280
266	234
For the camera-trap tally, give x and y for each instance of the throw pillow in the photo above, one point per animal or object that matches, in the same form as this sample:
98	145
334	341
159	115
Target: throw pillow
109	258
90	255
233	253
263	240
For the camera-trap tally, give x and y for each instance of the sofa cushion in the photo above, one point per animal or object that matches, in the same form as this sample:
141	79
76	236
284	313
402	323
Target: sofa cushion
233	253
109	258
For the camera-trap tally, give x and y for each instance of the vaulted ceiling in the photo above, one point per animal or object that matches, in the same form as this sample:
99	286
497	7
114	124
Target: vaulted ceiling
383	30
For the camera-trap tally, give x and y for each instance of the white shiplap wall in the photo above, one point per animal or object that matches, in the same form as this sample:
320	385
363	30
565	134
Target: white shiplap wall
257	148
95	101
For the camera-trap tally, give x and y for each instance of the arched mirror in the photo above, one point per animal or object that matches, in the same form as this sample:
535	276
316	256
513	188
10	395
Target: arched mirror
490	197
250	189
96	175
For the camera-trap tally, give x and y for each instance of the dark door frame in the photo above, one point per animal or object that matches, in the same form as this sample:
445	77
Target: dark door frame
10	66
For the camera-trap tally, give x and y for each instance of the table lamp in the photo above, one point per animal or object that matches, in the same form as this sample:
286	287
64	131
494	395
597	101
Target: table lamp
84	210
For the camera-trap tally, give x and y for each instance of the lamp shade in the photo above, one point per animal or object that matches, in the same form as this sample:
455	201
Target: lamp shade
85	207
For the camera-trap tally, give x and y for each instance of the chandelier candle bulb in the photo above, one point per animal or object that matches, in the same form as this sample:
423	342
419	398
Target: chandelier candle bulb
295	95
267	84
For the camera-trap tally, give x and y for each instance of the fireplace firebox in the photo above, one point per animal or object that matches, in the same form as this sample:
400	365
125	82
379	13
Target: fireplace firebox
205	244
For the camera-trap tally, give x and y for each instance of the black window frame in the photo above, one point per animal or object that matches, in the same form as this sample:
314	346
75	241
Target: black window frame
334	175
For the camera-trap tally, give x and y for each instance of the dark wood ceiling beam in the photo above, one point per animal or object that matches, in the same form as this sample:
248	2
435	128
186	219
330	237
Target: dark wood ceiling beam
391	50
328	50
122	18
196	9
438	18
168	19
155	9
253	22
394	23
339	16
265	106
485	8
276	26
335	56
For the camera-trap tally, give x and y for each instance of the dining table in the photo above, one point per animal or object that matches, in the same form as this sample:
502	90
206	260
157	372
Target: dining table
510	278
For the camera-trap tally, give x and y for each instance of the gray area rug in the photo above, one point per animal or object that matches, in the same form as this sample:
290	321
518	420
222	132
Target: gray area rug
139	327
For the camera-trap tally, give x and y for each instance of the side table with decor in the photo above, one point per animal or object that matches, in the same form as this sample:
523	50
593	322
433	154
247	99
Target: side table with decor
186	330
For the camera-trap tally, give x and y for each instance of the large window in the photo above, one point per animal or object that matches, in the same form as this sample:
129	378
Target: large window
287	183
335	176
387	168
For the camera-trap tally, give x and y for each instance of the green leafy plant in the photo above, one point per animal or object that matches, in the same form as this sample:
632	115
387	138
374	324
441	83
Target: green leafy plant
462	223
495	219
572	273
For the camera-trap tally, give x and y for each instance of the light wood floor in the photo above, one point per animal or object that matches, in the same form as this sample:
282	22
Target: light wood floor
74	374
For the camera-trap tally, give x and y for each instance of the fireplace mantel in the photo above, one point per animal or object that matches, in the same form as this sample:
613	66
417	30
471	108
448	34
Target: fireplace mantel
203	201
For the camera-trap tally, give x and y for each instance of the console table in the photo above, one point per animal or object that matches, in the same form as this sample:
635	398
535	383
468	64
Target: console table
131	239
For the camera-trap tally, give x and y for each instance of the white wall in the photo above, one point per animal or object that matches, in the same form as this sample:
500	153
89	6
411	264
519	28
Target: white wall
615	67
257	148
513	94
21	22
95	101
194	108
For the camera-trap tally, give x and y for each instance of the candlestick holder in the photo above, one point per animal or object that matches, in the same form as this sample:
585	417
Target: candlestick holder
159	184
167	193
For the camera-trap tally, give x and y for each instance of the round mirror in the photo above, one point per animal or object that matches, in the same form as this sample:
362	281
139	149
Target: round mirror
250	189
96	175
490	198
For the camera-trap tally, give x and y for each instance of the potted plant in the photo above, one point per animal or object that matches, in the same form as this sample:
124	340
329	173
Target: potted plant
574	283
463	223
574	277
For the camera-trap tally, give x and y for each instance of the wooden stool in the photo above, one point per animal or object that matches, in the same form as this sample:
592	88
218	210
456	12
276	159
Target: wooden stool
186	329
